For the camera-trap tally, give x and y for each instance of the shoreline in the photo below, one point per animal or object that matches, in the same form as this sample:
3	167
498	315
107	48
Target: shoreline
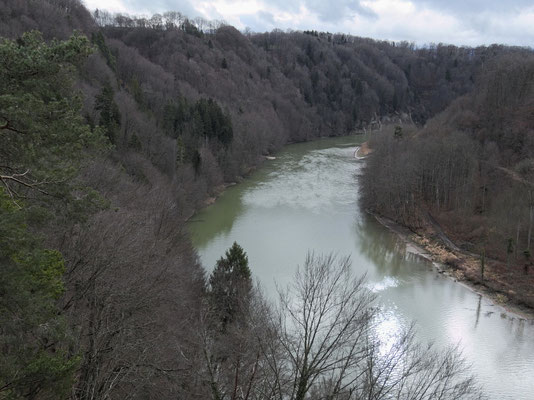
434	251
363	151
219	190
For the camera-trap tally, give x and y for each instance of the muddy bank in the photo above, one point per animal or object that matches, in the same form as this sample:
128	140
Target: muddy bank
461	266
363	150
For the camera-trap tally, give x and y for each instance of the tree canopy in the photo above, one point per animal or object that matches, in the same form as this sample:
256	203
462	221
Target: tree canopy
230	284
42	139
42	132
33	336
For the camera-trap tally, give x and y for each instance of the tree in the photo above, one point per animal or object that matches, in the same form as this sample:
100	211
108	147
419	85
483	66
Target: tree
230	361
528	262
509	251
326	345
110	117
229	325
325	318
34	339
482	263
99	40
42	133
43	138
230	285
133	289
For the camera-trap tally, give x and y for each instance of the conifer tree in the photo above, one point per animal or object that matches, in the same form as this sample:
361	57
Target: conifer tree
41	130
34	340
230	285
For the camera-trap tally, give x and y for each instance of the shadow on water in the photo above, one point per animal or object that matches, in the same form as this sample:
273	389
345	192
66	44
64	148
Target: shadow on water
383	249
206	224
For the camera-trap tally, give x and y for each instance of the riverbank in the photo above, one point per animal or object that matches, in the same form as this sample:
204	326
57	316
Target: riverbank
363	151
219	190
461	266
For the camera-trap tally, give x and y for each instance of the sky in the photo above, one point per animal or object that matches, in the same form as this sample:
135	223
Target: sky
460	22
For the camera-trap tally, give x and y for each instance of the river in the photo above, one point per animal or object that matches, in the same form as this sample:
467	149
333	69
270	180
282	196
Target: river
307	200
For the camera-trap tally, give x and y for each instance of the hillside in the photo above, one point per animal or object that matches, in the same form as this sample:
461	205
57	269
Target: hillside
471	168
115	129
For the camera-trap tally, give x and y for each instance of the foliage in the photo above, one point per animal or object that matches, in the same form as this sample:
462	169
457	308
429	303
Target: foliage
324	345
202	119
42	133
319	342
110	117
34	358
99	40
230	285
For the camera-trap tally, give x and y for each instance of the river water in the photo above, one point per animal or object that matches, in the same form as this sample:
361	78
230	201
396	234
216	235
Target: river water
306	200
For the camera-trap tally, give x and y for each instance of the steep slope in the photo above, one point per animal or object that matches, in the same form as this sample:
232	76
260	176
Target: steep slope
472	168
182	109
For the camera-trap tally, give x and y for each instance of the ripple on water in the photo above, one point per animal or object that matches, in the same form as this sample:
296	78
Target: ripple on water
316	182
386	283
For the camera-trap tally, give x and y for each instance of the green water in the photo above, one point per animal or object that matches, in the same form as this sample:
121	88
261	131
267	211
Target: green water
306	200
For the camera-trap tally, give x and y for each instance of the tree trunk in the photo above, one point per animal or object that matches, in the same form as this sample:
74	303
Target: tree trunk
517	237
531	214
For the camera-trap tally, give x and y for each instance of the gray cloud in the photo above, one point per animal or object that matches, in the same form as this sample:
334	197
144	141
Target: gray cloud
159	6
266	16
469	7
470	22
291	6
340	10
260	22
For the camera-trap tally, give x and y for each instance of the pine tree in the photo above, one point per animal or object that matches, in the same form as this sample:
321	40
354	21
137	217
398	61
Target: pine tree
110	117
34	339
42	140
230	285
42	133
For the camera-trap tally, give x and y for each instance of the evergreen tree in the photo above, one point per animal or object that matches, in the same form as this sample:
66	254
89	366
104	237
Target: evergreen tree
230	285
110	117
99	40
42	133
34	340
42	140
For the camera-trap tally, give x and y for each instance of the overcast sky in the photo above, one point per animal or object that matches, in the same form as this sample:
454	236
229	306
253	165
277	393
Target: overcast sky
461	22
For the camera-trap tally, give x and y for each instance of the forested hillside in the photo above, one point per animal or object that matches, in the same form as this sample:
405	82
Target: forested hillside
471	167
114	129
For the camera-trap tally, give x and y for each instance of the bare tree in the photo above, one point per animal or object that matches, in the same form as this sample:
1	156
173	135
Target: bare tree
324	319
324	345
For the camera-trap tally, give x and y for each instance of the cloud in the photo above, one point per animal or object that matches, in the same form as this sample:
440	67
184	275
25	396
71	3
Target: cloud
148	7
262	21
461	22
340	10
463	8
267	17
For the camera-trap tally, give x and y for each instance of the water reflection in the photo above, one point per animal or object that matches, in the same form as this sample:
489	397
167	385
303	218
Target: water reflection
479	304
229	207
306	200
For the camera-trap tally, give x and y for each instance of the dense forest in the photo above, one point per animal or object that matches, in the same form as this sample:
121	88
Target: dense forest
471	169
115	128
